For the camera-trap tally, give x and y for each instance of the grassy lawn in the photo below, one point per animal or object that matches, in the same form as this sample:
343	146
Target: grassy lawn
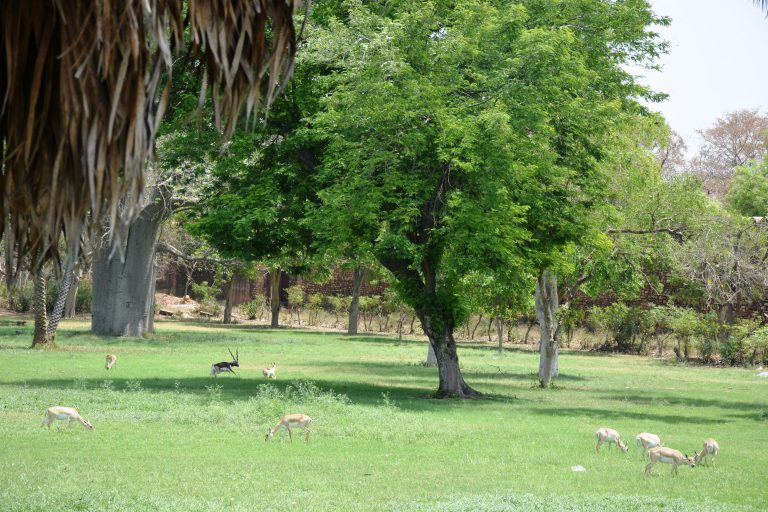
168	437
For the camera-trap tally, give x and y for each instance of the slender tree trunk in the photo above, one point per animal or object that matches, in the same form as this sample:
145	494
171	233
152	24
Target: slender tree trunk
40	337
500	333
530	322
70	304
124	292
546	312
274	282
479	319
354	307
443	346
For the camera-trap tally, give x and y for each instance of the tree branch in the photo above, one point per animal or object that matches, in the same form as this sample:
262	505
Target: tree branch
167	248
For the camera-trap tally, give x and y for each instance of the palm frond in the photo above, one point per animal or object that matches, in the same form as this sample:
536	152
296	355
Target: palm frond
83	86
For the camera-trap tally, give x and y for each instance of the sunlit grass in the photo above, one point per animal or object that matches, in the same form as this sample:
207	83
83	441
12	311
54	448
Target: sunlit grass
168	437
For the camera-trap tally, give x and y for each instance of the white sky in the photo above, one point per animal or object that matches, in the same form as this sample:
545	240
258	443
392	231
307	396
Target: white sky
717	62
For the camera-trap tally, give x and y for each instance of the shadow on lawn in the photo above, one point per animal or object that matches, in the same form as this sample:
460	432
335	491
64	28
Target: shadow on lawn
604	415
684	401
409	398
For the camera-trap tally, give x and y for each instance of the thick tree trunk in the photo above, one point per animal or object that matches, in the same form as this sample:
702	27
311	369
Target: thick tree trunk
444	348
546	312
40	337
124	292
354	307
274	285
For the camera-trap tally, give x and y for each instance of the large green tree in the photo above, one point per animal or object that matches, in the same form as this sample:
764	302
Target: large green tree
464	138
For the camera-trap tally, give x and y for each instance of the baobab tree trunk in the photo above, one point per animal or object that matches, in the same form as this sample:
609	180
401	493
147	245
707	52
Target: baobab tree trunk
546	311
274	285
40	338
124	291
354	307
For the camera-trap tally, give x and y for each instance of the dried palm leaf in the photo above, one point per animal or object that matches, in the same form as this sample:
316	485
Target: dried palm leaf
83	86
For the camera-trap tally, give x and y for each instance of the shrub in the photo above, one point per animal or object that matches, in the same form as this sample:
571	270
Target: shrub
746	345
207	297
20	298
253	307
84	298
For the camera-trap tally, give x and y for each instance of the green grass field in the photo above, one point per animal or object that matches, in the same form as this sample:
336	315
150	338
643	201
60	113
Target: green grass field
168	437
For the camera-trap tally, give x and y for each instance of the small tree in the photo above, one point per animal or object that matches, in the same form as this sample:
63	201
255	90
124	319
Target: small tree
296	300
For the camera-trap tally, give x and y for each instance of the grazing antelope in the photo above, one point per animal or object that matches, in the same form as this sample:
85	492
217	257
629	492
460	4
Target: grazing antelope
226	366
64	413
608	435
669	456
647	441
292	420
111	360
269	373
710	447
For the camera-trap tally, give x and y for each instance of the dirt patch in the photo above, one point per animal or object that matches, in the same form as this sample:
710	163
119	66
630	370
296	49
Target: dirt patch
182	307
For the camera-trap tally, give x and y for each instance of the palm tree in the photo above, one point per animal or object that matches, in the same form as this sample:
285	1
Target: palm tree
82	90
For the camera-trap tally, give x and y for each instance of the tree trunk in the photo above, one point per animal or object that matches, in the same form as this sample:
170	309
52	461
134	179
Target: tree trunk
500	333
274	285
546	311
40	337
229	295
726	316
354	307
124	292
70	305
443	347
479	319
61	297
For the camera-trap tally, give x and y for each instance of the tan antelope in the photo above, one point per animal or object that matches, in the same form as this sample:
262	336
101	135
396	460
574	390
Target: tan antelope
269	373
646	441
64	413
111	360
710	448
292	420
668	456
608	435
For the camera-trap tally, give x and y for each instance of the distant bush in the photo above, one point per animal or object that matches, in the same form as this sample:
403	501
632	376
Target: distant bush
206	295
20	298
253	308
748	344
84	298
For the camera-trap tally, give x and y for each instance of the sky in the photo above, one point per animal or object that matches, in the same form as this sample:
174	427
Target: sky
717	63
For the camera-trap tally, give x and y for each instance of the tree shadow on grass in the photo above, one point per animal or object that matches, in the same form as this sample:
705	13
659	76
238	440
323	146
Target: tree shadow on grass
684	401
605	415
235	389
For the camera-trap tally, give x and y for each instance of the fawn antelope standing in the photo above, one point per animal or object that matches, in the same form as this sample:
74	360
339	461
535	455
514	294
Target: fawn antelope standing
111	360
64	413
646	441
269	373
710	447
668	456
608	435
292	420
